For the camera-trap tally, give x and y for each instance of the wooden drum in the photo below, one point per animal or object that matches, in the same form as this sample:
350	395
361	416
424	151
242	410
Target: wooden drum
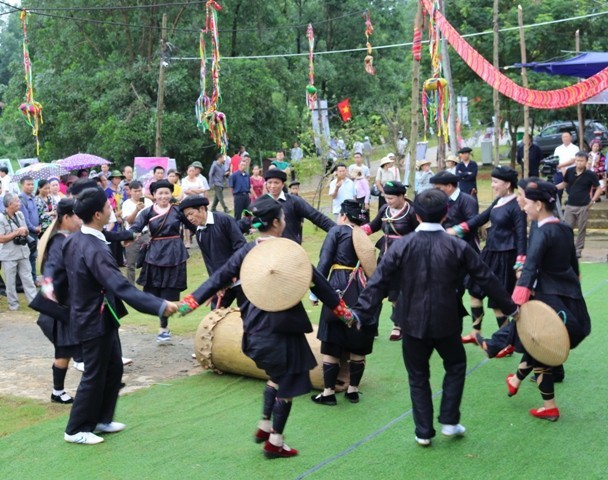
217	346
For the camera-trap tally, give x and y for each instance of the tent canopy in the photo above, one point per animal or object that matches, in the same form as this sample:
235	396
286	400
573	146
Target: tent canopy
584	65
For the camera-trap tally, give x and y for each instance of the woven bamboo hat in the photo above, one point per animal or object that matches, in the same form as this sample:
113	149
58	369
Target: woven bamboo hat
543	333
365	250
276	274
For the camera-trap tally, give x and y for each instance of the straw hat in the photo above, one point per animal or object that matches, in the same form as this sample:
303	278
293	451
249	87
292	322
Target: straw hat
386	160
365	250
419	163
276	274
542	333
452	158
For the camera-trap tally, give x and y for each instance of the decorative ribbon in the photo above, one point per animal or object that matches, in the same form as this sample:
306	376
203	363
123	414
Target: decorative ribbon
31	109
549	99
369	30
311	90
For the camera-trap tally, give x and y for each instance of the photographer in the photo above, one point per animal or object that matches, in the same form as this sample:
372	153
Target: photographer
15	252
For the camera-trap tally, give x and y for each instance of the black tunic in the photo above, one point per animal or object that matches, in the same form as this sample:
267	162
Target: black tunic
275	341
296	210
393	225
56	331
552	271
338	252
219	240
165	263
431	306
93	275
468	176
506	241
464	208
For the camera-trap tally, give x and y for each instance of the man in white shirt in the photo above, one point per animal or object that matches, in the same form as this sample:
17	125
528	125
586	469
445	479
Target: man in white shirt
358	147
358	157
566	151
340	188
131	209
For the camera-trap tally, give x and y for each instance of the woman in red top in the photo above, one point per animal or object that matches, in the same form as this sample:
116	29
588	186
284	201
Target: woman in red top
597	162
257	183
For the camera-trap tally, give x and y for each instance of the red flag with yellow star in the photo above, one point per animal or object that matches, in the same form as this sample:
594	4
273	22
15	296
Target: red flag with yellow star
344	109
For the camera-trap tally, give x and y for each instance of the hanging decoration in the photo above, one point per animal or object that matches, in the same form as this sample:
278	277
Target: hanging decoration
369	30
31	109
547	99
435	104
208	117
311	90
417	45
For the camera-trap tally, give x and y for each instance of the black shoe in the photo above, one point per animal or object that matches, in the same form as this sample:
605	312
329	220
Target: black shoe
64	398
352	397
324	400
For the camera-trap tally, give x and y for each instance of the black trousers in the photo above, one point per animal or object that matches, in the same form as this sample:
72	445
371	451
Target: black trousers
241	202
416	355
97	394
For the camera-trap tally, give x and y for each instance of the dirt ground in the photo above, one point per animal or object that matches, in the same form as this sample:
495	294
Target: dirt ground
26	357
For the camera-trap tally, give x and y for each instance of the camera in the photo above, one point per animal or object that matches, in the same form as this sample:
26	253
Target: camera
20	240
548	167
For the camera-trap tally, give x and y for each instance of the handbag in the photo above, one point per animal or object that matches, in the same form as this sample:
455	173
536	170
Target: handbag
143	250
48	307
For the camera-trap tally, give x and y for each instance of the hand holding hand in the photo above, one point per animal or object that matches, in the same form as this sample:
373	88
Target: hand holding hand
170	309
187	305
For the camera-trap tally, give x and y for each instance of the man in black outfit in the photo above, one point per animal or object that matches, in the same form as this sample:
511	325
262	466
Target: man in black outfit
218	235
535	155
295	208
96	288
431	321
578	182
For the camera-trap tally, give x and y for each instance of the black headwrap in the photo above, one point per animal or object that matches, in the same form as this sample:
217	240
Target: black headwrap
352	210
544	191
445	178
523	183
90	201
275	173
394	188
194	201
65	206
161	184
81	185
506	174
265	210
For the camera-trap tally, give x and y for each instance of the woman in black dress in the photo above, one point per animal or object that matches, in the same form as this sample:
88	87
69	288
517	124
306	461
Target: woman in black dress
163	273
552	270
275	341
58	332
505	248
396	218
339	263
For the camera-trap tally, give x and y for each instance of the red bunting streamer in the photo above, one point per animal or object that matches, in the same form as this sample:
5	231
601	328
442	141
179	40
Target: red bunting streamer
417	45
549	99
369	30
208	118
311	90
31	109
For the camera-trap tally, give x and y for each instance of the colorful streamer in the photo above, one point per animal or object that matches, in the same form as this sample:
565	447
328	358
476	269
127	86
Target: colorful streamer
369	30
417	45
311	90
435	104
549	99
208	118
31	109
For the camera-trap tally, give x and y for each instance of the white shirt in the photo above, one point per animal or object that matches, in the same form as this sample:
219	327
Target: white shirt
345	192
402	145
129	206
455	195
429	227
92	231
358	147
566	154
210	221
199	182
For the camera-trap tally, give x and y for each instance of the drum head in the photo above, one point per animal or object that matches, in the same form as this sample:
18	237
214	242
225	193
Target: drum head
543	333
276	274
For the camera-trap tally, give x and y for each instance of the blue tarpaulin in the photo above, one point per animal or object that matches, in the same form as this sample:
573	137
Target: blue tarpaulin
584	65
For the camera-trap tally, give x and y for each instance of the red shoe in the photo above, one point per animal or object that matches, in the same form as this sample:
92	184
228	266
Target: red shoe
551	414
505	352
272	451
261	436
512	390
469	339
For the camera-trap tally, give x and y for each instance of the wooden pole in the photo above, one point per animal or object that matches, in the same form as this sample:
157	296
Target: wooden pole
447	74
496	96
524	79
160	101
579	107
415	102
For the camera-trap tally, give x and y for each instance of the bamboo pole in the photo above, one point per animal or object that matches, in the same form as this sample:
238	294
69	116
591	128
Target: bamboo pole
579	107
447	74
496	96
160	101
415	102
524	79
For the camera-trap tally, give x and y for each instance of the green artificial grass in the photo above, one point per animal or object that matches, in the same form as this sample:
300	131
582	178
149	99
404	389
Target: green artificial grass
202	426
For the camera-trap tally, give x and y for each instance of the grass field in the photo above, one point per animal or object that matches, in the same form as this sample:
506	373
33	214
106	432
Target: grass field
202	426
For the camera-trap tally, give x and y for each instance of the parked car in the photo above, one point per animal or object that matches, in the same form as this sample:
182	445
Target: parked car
550	137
